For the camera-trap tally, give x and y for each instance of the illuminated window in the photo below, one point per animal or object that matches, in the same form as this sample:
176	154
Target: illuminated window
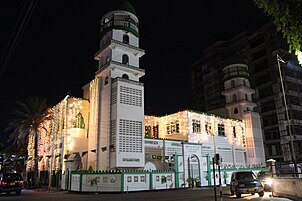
221	130
172	128
155	131
208	128
168	129
196	126
148	131
79	121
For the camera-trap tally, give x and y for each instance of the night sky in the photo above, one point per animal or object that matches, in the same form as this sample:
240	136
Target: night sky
55	53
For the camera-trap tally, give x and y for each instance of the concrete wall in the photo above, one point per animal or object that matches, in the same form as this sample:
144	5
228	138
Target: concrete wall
288	187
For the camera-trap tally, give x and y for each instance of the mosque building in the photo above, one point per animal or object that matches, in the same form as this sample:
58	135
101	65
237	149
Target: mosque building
107	129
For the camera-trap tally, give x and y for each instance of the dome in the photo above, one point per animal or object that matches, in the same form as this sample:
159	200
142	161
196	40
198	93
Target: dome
122	5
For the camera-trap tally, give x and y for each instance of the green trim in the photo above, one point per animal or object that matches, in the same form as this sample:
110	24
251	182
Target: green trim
224	176
81	182
176	171
151	181
209	170
122	182
119	27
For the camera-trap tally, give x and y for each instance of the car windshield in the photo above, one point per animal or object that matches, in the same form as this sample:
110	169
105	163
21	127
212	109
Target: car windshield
264	174
245	175
12	176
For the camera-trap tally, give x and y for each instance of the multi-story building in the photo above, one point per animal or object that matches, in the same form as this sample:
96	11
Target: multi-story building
106	129
259	51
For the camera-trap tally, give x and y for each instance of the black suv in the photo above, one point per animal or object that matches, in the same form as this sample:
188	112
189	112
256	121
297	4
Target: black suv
245	182
11	182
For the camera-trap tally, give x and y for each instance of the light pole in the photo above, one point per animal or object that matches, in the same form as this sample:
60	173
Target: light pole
292	148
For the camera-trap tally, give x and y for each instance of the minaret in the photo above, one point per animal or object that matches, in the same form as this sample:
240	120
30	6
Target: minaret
118	104
239	105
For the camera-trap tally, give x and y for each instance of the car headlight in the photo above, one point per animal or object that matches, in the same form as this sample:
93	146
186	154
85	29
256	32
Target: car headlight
241	185
269	181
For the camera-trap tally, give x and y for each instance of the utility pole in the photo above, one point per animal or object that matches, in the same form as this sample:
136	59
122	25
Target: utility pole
292	148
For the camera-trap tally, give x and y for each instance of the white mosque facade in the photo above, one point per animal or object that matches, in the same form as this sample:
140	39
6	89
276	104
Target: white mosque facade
107	131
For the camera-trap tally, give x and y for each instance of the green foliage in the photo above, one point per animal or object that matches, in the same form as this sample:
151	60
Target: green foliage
27	117
287	16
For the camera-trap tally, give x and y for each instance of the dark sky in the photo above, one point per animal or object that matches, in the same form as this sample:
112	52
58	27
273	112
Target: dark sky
55	53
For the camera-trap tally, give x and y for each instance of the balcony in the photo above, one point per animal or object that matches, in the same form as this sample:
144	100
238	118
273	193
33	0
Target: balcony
123	25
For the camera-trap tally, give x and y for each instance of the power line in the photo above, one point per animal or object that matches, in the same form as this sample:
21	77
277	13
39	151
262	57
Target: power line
15	38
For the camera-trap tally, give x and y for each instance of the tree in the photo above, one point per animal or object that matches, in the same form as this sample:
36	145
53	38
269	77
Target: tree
28	119
287	16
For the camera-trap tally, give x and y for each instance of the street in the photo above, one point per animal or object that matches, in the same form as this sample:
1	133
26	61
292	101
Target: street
205	194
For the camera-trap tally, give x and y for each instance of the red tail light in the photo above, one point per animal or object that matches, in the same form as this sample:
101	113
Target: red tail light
3	184
21	183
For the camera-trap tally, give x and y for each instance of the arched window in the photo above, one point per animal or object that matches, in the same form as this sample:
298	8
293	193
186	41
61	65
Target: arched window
125	76
126	39
235	111
125	59
244	82
234	98
232	83
79	121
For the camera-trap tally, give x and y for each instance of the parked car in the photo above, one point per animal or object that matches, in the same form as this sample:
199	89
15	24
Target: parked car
11	182
245	182
265	176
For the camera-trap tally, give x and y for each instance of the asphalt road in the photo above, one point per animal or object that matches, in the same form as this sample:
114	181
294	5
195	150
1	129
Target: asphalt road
202	194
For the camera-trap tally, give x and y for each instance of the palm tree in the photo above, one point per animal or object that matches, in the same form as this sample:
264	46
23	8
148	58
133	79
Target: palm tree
28	118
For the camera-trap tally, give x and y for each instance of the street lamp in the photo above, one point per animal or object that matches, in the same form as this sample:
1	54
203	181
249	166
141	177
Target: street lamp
279	59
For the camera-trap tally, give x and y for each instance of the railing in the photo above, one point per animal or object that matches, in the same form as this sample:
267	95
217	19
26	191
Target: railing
121	25
120	64
288	170
127	45
127	81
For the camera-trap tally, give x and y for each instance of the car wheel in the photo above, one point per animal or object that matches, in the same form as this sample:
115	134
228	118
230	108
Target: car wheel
232	192
18	192
261	194
8	193
238	195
